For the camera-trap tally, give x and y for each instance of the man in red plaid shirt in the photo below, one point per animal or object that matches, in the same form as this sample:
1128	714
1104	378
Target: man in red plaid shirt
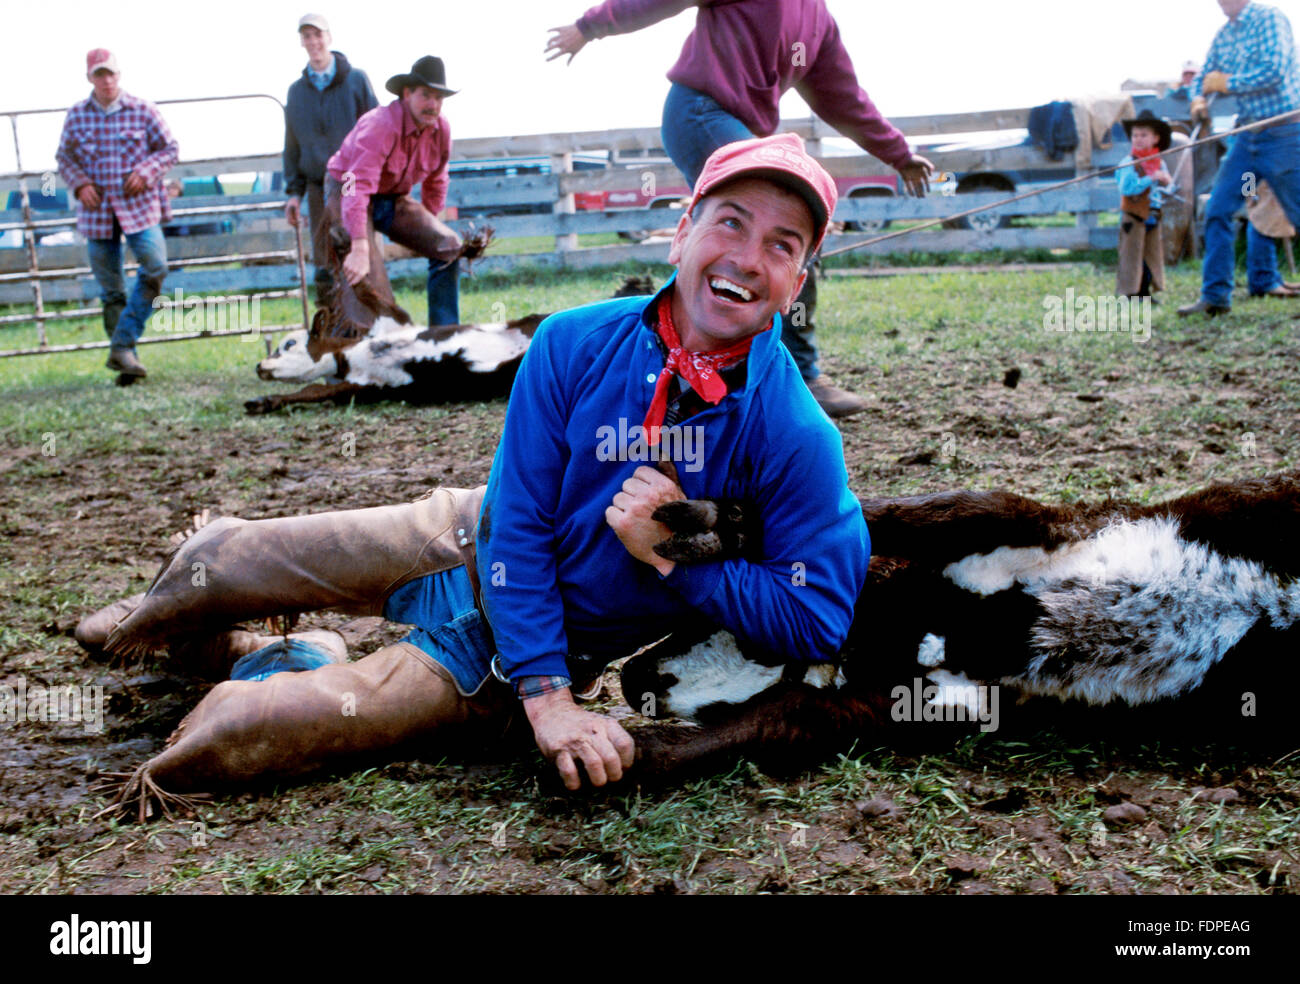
114	153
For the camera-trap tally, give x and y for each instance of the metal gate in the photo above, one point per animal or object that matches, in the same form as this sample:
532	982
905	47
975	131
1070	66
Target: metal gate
35	277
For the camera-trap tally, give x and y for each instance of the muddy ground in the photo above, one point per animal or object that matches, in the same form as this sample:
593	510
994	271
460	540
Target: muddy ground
1042	813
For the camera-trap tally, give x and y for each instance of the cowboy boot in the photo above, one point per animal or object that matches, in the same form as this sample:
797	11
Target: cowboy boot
93	630
294	723
234	570
122	359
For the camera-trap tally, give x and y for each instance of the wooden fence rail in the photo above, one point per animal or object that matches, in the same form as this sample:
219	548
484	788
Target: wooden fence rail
266	233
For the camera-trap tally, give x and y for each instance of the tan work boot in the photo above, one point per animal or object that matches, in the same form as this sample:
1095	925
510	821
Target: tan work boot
835	401
123	359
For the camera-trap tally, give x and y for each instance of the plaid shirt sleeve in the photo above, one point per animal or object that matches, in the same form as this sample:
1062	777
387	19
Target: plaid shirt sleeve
536	686
68	154
164	151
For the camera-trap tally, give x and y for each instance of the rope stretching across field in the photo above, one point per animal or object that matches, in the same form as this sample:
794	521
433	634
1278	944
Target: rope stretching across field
931	223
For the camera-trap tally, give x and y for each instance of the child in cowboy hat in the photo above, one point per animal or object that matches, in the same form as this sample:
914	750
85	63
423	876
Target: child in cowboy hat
1141	177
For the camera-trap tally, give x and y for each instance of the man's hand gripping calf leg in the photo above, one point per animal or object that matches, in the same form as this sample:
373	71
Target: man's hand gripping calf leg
567	734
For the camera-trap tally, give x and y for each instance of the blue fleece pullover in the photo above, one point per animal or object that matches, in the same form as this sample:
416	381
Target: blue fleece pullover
556	579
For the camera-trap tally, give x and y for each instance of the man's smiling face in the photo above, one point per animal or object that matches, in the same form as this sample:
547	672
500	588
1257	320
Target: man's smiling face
739	260
316	42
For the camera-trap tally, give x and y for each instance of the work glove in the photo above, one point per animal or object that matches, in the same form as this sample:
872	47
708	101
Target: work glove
1214	82
1200	109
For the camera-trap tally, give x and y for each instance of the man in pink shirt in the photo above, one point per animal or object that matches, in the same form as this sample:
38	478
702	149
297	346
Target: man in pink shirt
726	85
368	181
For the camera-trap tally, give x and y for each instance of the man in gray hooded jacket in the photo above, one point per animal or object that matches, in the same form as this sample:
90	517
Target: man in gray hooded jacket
322	107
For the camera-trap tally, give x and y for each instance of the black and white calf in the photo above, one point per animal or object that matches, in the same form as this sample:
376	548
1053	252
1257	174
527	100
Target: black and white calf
399	362
365	349
1179	615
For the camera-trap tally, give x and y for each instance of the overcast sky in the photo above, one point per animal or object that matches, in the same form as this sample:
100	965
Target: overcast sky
919	57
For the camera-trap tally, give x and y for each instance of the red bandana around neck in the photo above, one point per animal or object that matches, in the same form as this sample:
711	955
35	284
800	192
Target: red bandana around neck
700	369
1148	167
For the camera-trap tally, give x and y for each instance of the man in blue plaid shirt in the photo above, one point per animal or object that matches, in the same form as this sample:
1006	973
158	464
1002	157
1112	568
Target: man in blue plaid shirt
113	155
1253	57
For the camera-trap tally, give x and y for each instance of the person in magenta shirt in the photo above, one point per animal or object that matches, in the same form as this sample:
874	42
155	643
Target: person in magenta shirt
368	182
726	85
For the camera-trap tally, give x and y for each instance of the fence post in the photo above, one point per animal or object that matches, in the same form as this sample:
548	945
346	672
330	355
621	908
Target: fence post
29	236
564	205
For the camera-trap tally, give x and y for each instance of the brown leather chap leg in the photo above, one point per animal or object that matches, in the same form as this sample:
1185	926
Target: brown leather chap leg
294	723
352	560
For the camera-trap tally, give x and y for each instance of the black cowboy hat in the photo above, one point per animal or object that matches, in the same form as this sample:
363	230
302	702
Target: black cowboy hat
426	71
1164	135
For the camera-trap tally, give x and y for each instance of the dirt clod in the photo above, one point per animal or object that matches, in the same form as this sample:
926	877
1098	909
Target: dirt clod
1124	814
878	806
1220	794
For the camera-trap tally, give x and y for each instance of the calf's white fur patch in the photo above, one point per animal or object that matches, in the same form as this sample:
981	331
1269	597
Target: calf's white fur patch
1133	613
291	363
714	671
931	651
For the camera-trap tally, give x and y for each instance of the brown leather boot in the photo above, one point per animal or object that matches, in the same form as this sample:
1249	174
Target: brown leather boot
294	723
94	629
123	359
233	570
835	401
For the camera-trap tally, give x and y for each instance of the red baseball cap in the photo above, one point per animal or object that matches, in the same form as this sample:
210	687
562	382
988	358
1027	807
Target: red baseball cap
780	158
100	58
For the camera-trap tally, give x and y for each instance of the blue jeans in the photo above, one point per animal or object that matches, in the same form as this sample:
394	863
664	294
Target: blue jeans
694	126
150	251
1262	274
281	656
448	625
1272	155
443	285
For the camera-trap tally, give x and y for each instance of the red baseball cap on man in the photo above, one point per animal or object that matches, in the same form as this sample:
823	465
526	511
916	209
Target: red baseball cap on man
98	58
780	158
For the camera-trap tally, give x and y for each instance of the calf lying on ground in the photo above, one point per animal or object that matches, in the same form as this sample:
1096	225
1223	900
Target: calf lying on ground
399	362
1186	612
393	359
